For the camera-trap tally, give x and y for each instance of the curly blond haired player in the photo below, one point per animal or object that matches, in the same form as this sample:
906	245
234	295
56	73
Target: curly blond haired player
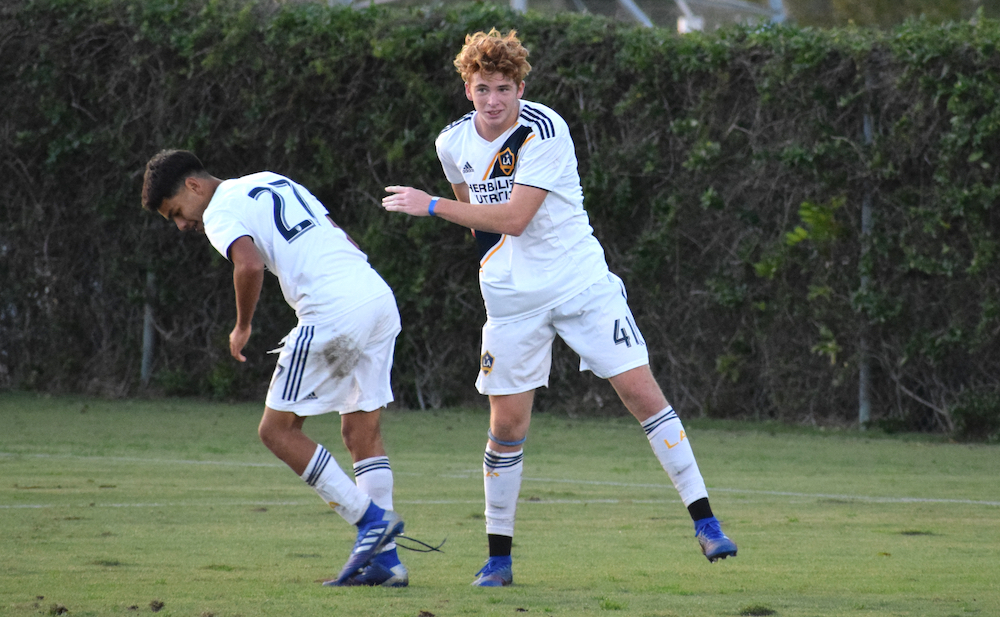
337	358
512	166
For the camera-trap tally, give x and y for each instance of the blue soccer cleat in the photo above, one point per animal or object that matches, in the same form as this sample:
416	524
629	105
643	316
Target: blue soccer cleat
496	573
715	545
371	538
378	575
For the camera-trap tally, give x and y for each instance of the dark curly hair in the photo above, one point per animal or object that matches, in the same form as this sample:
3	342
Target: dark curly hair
165	173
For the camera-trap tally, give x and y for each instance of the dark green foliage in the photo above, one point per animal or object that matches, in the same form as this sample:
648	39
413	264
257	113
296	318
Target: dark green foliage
725	174
977	416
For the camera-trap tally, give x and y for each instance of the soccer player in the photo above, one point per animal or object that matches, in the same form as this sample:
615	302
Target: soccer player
338	356
513	169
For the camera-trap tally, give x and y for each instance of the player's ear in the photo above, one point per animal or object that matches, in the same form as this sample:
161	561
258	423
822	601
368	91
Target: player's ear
520	89
468	91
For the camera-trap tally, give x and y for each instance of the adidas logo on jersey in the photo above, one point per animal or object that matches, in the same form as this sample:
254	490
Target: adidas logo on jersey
311	397
468	168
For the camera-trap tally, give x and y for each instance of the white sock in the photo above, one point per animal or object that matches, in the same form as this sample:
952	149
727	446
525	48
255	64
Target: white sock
502	484
673	449
374	478
334	487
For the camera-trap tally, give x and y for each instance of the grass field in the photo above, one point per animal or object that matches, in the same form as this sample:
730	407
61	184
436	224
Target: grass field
135	507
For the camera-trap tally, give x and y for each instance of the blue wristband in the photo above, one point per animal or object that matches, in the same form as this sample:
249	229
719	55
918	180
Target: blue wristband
430	208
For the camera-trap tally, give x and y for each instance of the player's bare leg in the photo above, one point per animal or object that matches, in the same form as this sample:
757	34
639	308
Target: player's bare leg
362	434
639	392
281	432
643	397
510	416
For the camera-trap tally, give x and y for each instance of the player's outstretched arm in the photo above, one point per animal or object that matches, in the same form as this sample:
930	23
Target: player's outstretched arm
248	278
509	218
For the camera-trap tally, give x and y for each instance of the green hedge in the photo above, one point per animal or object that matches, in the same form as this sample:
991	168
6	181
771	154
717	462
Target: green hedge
725	174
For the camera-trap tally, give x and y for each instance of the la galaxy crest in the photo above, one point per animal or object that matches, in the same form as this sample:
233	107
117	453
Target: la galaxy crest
486	363
506	160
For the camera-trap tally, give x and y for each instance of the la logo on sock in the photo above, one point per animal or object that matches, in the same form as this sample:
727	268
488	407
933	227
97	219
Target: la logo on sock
680	438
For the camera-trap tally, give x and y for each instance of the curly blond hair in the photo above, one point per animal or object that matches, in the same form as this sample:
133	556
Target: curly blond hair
493	52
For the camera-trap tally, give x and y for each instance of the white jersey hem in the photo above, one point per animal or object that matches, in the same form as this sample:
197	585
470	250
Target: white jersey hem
501	319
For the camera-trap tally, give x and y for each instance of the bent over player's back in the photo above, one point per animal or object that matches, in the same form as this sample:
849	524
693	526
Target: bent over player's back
322	274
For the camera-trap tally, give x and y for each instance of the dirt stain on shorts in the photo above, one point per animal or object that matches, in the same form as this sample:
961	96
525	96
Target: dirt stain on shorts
341	356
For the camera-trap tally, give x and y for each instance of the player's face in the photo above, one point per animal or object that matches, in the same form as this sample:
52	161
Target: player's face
495	97
185	208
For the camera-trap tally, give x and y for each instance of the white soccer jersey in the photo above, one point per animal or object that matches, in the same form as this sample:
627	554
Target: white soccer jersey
557	256
322	274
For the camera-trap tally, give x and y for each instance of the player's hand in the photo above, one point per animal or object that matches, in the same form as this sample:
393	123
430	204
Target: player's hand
407	200
237	341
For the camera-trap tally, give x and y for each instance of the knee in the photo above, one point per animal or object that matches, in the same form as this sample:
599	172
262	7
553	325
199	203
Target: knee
510	428
270	434
362	439
510	415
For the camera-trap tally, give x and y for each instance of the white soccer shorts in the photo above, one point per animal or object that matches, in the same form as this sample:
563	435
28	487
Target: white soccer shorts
340	366
597	324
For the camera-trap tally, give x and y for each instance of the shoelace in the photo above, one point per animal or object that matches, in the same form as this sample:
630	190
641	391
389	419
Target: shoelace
427	547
